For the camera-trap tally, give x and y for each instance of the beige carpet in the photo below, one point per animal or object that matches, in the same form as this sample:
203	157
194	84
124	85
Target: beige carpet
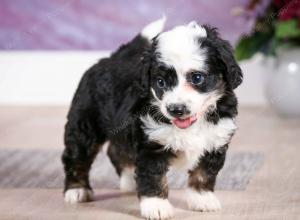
272	191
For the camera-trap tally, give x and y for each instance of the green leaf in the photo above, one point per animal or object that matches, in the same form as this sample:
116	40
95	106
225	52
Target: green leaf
287	29
249	45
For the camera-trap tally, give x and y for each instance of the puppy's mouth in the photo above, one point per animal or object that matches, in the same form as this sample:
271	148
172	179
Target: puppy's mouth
184	123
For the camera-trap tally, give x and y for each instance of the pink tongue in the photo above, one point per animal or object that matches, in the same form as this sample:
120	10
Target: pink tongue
183	123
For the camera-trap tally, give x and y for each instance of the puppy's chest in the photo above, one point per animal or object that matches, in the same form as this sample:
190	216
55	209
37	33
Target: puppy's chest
191	143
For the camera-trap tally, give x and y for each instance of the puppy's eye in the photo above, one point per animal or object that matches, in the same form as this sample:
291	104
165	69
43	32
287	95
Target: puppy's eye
161	83
197	78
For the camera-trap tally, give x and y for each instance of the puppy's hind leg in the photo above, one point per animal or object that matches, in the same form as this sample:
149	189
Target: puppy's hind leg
123	161
82	140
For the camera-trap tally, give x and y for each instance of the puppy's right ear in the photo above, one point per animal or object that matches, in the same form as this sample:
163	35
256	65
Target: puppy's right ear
145	74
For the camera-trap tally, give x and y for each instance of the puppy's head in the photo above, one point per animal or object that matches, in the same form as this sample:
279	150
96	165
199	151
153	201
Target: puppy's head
191	68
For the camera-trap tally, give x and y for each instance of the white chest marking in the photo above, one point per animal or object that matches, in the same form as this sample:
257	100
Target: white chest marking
192	142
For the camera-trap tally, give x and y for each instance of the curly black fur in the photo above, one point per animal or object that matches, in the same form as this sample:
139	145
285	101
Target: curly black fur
111	97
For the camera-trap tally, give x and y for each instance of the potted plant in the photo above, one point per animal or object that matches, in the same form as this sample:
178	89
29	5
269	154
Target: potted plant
276	33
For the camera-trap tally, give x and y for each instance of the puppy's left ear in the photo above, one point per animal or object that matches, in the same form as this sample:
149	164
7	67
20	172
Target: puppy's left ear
233	74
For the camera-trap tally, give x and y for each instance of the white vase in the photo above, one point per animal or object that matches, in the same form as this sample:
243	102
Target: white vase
283	85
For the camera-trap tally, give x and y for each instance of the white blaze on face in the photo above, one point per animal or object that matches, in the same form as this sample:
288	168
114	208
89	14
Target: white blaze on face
180	49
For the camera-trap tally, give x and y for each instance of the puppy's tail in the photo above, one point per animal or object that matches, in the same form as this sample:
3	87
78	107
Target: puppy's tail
141	41
154	28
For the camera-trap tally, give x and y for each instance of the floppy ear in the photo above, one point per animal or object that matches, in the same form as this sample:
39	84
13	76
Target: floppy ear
145	74
233	74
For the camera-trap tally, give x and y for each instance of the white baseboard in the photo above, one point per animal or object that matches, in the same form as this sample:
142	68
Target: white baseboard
51	77
42	78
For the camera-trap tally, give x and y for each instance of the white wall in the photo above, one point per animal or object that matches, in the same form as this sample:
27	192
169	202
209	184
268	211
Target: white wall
50	78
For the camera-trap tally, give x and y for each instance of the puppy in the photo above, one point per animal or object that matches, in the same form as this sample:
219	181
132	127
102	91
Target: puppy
164	99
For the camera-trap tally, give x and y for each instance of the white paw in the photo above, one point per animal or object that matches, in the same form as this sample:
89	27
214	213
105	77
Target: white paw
202	201
156	208
127	180
78	195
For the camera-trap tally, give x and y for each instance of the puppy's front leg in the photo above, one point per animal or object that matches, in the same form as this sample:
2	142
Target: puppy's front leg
201	183
151	169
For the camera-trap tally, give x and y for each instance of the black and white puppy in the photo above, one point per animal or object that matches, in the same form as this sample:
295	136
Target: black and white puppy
164	99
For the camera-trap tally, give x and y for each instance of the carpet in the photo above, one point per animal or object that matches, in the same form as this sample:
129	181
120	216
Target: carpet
43	169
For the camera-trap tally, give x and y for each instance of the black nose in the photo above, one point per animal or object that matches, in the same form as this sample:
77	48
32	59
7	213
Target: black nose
177	110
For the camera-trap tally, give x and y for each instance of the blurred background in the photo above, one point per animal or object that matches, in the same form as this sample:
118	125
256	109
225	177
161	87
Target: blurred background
45	47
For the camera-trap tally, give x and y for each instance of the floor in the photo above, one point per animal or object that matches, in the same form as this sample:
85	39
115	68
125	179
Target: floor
273	192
